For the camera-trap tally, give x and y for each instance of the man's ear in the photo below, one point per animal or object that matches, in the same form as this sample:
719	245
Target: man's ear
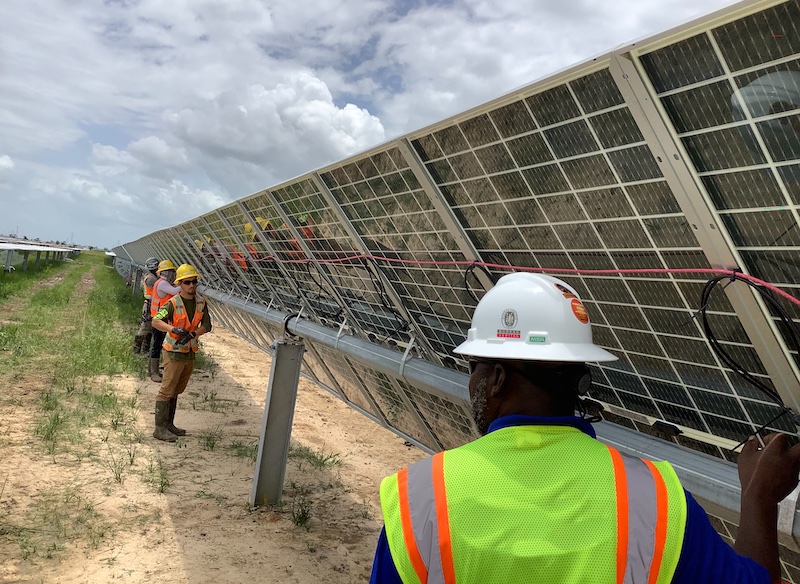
498	380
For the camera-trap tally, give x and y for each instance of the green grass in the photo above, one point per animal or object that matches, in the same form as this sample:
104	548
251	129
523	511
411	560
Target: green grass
240	449
210	437
78	328
317	459
57	517
18	282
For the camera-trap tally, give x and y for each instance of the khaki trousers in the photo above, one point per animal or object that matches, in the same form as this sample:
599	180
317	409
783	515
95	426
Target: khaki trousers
176	377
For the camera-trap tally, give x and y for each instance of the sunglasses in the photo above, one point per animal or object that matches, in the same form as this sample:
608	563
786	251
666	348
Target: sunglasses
189	282
473	364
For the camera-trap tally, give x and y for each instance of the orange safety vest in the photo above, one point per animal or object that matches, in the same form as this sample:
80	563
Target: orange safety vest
148	290
155	302
239	259
181	319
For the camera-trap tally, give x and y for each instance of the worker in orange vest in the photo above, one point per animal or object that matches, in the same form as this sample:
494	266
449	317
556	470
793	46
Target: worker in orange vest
163	290
141	342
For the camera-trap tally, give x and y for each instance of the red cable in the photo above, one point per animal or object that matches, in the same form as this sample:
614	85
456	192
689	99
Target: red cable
709	271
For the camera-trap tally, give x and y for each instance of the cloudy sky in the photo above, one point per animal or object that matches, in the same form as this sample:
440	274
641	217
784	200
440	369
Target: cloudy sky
120	117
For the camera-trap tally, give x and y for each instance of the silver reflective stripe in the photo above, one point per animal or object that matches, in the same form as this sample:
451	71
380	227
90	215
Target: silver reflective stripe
422	505
642	520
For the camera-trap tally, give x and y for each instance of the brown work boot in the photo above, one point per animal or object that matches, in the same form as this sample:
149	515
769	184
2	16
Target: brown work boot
155	374
162	418
173	405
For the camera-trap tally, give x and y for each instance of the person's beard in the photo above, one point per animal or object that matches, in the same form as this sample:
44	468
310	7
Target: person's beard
478	403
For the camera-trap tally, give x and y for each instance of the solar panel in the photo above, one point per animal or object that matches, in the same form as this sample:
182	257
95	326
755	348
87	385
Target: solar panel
672	154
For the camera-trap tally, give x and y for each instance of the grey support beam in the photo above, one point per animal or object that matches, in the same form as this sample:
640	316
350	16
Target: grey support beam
445	212
394	297
276	426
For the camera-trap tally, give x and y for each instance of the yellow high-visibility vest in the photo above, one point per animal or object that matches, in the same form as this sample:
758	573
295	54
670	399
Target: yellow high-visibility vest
543	504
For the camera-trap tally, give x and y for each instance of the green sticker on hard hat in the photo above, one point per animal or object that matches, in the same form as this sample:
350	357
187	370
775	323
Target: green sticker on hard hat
534	339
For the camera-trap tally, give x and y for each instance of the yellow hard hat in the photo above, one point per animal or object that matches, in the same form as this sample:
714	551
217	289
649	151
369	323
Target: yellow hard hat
186	271
165	265
264	223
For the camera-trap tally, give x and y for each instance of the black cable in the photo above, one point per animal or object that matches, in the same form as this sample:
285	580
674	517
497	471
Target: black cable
317	282
763	427
471	268
377	284
793	336
719	349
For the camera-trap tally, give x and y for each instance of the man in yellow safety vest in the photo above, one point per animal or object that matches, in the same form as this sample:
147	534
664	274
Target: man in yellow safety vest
183	318
538	499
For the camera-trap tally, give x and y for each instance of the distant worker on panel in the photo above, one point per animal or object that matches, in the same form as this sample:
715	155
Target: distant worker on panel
141	342
183	319
538	499
163	290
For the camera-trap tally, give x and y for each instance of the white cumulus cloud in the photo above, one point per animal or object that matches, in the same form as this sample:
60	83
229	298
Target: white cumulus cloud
6	163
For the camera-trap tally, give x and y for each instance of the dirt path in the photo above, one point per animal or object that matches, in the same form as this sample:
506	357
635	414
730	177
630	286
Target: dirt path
104	494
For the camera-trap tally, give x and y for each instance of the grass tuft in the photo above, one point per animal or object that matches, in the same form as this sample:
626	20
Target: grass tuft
318	459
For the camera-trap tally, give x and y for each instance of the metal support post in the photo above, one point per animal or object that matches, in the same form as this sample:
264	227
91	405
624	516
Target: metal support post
25	261
136	281
38	256
276	428
46	258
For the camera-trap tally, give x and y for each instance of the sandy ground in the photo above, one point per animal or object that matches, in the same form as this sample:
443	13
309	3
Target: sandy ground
95	513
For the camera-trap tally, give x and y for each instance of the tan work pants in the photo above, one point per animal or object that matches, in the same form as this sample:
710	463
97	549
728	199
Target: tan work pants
176	377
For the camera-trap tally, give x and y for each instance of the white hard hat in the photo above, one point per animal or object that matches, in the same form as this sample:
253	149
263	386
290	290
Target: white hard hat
532	317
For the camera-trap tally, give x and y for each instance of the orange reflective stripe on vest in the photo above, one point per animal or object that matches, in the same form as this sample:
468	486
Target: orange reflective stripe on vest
426	487
641	519
408	530
642	508
662	504
622	513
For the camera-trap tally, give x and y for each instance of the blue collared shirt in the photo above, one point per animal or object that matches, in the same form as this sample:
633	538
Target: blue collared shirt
705	557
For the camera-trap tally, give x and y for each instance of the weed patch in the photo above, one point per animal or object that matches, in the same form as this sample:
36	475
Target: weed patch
317	459
210	437
241	449
58	517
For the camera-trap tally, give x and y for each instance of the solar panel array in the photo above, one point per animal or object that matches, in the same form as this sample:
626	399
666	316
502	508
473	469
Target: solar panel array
680	152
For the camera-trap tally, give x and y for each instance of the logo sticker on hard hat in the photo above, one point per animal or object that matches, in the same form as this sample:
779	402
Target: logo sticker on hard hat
508	334
509	318
579	310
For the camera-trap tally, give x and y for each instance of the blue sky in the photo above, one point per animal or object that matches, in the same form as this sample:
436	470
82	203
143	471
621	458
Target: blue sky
118	118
